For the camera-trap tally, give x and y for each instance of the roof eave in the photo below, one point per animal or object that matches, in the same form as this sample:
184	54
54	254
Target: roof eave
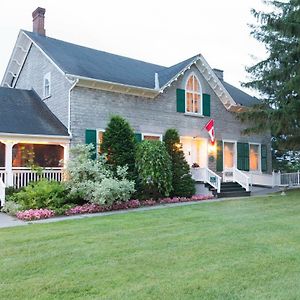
113	86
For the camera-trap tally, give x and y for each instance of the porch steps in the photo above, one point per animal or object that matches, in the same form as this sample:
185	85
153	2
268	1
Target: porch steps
230	189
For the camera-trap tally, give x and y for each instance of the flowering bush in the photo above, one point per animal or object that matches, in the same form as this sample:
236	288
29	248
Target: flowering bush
94	181
87	208
34	214
149	202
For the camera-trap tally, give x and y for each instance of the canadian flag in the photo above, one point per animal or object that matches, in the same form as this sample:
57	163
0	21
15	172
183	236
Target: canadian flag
211	130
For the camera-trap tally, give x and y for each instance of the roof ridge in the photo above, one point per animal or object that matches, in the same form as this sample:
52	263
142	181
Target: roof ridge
93	49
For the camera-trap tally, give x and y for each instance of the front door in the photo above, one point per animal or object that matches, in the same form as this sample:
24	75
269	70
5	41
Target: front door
229	157
195	151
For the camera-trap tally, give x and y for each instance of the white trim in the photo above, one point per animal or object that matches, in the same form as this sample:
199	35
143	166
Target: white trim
112	84
200	94
235	154
48	57
151	134
69	104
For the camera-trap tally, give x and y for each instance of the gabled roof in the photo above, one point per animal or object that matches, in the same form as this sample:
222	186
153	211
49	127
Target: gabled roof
23	112
89	64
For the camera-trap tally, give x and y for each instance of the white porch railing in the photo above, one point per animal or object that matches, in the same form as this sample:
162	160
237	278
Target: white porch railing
241	178
23	176
3	175
207	176
290	179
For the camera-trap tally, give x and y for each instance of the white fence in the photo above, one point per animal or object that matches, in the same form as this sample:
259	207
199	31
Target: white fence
290	179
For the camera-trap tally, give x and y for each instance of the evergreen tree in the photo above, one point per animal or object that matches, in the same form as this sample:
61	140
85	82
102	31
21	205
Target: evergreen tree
119	145
182	182
277	78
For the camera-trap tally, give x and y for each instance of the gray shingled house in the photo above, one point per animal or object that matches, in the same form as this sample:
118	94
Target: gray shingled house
55	93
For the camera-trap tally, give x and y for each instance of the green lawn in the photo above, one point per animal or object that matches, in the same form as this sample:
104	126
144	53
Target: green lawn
226	250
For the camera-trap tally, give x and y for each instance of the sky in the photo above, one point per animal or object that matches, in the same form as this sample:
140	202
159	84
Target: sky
163	32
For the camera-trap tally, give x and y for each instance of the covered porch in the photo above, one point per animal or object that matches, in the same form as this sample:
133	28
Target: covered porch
24	159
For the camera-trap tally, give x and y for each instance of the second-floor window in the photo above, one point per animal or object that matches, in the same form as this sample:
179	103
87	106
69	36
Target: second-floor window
47	86
193	95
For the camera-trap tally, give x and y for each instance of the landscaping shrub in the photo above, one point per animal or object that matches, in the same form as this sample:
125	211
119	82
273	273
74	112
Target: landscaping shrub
119	145
153	164
41	194
94	180
11	208
182	182
35	214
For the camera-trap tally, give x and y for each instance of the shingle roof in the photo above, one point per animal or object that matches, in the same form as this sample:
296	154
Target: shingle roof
23	112
94	64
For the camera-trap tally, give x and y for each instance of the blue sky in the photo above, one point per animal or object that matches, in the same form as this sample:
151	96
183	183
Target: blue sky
161	32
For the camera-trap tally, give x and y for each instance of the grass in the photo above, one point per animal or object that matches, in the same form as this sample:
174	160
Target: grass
227	250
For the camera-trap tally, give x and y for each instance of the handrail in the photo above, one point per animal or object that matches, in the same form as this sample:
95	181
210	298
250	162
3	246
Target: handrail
213	179
241	178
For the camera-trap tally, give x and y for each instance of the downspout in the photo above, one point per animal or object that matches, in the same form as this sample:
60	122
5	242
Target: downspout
69	106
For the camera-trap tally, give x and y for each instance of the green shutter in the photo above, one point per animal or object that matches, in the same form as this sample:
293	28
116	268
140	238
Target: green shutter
243	156
206	105
138	137
219	156
91	138
246	157
264	155
180	98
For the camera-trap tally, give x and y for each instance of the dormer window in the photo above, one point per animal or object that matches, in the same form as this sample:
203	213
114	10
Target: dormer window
193	95
47	85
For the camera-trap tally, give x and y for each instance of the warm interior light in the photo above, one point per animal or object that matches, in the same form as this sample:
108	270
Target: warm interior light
212	148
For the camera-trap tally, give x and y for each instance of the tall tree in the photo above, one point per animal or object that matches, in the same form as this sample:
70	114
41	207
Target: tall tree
120	145
277	78
182	182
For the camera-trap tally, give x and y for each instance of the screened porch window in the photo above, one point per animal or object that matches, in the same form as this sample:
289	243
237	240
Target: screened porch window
254	157
46	156
193	95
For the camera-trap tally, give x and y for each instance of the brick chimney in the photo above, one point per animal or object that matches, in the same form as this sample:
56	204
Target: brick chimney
38	20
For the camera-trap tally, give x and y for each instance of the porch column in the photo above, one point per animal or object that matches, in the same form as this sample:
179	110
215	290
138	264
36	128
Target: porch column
8	163
66	154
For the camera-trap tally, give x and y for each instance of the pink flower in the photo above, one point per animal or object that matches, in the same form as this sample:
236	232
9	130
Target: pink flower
35	214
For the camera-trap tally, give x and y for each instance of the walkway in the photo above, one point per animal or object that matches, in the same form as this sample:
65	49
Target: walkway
8	221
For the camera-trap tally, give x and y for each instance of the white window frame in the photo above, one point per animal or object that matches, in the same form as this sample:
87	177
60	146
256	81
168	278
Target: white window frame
235	153
152	134
47	77
200	113
259	158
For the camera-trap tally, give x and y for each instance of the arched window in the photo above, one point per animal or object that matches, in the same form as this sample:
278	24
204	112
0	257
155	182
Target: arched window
193	95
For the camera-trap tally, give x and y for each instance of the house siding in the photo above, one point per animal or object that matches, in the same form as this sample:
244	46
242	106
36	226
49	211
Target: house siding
32	77
91	109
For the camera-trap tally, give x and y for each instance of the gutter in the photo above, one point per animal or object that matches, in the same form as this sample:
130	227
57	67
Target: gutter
125	86
69	105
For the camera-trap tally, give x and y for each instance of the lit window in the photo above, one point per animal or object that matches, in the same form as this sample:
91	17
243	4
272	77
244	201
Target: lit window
99	140
193	95
229	154
47	85
151	137
254	157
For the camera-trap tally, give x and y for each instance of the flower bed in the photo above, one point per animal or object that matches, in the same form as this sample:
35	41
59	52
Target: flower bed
35	214
89	208
94	208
